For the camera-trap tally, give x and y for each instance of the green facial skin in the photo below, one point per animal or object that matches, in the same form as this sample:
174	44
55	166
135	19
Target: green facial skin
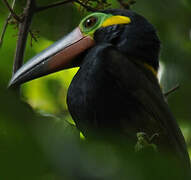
101	17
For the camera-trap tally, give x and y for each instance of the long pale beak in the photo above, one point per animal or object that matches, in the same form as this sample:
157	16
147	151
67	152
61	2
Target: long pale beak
56	57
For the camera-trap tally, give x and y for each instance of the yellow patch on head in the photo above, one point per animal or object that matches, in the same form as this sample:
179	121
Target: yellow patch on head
116	20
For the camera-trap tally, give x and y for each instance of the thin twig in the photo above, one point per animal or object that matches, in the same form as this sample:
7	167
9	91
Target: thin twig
6	24
13	14
32	37
172	90
53	5
126	5
88	8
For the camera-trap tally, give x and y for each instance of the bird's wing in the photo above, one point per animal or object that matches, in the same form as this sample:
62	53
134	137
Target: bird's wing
144	89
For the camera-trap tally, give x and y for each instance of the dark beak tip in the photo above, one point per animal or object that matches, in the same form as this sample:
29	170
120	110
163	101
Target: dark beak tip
12	83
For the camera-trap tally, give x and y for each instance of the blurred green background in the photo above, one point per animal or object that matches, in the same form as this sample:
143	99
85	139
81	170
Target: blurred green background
48	147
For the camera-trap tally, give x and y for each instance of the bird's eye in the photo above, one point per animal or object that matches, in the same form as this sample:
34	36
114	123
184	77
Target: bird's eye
90	22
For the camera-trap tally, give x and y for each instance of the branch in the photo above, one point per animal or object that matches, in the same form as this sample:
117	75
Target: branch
12	12
172	90
53	5
126	5
23	33
88	8
6	24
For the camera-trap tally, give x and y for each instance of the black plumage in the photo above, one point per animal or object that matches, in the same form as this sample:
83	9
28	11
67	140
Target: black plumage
110	94
114	93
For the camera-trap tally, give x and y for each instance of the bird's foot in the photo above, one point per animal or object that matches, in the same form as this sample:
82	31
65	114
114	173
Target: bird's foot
145	142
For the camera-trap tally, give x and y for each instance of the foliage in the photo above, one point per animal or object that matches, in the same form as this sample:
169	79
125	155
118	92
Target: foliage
48	147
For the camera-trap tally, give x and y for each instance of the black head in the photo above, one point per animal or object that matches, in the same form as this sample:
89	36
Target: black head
137	39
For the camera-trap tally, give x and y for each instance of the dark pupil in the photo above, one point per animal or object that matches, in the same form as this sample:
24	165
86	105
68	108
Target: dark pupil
90	22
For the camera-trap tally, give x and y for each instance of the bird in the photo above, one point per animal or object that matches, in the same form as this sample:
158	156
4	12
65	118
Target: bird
116	90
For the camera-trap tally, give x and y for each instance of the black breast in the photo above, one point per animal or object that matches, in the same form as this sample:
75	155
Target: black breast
93	98
96	101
